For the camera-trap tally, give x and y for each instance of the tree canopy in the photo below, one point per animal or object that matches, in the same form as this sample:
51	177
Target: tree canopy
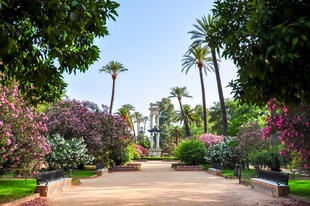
41	40
269	43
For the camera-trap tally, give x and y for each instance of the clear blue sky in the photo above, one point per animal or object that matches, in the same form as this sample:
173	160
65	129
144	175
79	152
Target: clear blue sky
149	38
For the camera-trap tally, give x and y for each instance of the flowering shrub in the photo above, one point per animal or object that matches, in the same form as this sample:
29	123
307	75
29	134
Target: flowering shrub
222	153
141	150
191	151
211	139
106	136
67	154
22	147
292	127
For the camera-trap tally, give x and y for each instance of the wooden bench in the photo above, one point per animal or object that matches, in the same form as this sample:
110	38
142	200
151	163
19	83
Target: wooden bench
51	182
272	182
215	169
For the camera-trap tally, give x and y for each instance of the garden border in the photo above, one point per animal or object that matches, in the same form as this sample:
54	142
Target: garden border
21	200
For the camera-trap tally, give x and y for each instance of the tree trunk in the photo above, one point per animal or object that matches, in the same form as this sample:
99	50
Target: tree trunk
188	132
220	91
112	98
205	117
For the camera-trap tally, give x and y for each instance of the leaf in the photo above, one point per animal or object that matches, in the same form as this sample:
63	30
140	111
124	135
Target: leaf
74	3
294	41
73	16
304	37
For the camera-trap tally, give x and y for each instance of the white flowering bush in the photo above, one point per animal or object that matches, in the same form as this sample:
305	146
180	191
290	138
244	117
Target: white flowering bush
67	154
223	153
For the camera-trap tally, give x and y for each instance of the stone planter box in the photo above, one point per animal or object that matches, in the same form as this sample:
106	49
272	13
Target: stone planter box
124	168
134	164
215	172
189	168
54	187
175	165
101	172
270	187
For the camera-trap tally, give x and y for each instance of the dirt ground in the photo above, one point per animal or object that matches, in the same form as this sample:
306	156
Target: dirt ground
157	184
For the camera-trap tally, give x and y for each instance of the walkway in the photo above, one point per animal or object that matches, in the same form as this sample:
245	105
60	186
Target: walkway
158	184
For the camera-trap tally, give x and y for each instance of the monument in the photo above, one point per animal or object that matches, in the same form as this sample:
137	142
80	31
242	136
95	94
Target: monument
154	150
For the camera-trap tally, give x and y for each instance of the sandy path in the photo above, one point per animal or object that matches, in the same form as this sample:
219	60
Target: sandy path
158	184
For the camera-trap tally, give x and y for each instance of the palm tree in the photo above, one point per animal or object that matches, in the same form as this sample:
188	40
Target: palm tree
137	116
129	108
190	114
198	56
124	112
176	133
204	35
113	68
179	92
144	120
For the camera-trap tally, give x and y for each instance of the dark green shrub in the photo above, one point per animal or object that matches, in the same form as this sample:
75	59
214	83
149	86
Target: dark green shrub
191	151
268	158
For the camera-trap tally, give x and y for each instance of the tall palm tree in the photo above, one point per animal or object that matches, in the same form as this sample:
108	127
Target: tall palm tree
123	112
179	92
190	114
137	116
198	56
176	133
144	120
204	35
129	108
113	68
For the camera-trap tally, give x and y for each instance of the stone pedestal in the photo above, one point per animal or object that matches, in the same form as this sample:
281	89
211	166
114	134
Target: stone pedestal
155	152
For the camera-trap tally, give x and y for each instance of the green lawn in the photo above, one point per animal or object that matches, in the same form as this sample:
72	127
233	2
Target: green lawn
12	189
244	173
84	173
300	188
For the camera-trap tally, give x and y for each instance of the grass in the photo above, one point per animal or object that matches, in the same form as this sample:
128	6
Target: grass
12	189
84	173
10	174
244	173
159	158
300	188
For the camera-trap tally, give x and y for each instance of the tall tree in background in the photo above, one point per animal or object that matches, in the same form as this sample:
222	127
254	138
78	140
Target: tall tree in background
204	34
129	108
36	34
179	92
189	113
113	68
137	116
198	56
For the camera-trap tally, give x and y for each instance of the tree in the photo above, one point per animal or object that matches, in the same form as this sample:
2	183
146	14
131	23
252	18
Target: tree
198	56
271	50
41	40
144	119
166	111
176	133
204	34
137	116
113	68
189	113
125	112
179	92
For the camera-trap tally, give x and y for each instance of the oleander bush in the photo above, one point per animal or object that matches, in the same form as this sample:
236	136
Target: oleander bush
191	151
67	154
223	153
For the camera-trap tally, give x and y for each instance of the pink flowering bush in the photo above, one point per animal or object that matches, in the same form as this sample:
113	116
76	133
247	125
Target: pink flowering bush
292	128
142	151
211	139
22	145
106	136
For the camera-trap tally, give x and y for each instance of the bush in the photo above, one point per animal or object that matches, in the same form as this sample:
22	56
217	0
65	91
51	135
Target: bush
141	150
211	139
191	151
67	154
268	158
222	153
22	145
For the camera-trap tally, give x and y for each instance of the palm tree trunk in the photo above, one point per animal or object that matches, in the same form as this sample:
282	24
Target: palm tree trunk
220	90
205	118
188	132
112	98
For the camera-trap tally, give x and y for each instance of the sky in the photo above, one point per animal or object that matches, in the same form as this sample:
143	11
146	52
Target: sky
149	37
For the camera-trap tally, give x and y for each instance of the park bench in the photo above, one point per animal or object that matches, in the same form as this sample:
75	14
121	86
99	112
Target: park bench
51	182
273	182
100	170
215	169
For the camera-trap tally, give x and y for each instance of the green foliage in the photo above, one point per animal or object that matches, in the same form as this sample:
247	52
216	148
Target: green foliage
40	40
270	49
144	142
268	158
159	158
67	154
237	114
244	173
12	189
191	151
84	173
132	152
223	153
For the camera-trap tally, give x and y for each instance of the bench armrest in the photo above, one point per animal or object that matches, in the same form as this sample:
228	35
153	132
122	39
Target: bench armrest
39	179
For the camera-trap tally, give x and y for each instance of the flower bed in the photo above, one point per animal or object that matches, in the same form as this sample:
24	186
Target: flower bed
189	168
124	168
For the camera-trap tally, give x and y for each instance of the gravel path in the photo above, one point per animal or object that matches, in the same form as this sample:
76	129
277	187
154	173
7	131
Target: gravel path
158	184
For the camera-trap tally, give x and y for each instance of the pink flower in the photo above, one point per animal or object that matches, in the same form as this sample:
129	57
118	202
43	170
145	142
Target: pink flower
9	142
